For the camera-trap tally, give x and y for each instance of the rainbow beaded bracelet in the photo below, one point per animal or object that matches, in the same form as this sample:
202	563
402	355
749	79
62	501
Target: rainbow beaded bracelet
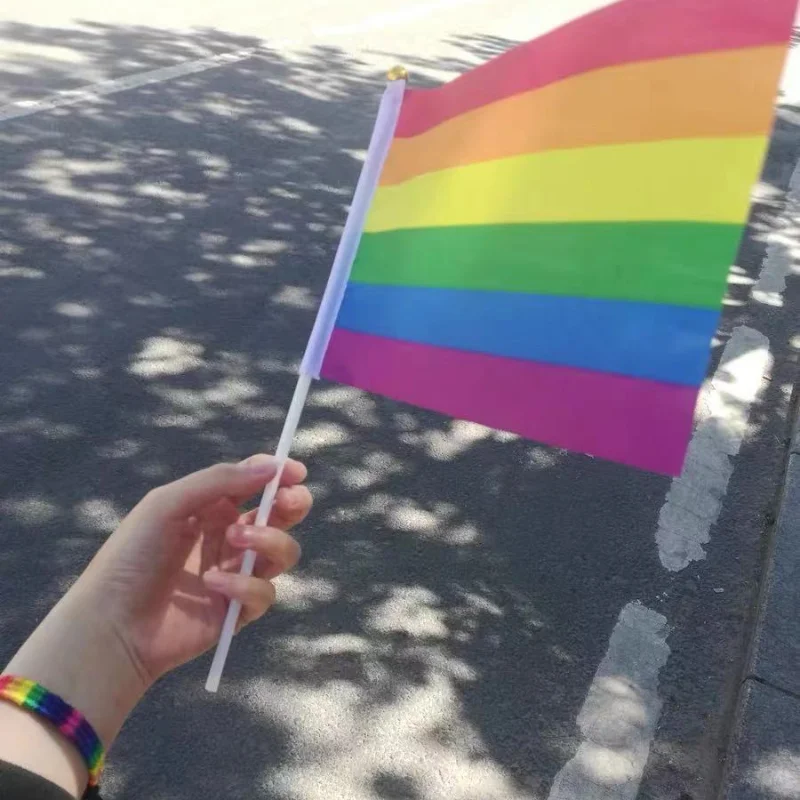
71	723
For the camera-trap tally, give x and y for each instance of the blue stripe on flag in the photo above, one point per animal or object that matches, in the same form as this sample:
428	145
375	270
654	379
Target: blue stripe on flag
643	340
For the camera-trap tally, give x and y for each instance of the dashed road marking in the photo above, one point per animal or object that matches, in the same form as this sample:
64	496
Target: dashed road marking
618	719
695	498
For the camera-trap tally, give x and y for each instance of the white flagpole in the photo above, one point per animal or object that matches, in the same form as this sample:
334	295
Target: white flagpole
382	135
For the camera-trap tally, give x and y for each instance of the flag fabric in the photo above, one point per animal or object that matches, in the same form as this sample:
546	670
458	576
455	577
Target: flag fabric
547	250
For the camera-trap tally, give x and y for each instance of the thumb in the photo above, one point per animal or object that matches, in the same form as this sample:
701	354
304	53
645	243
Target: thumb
183	497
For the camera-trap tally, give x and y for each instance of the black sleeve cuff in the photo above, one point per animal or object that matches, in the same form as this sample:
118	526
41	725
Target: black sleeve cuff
17	783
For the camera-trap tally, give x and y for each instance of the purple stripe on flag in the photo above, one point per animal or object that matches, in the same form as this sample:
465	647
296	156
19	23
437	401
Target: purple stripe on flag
642	423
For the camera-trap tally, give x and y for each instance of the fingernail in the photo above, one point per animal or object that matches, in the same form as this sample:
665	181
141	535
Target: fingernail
216	579
301	466
239	535
259	464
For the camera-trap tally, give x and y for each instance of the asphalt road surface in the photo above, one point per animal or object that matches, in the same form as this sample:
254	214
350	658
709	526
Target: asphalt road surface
476	617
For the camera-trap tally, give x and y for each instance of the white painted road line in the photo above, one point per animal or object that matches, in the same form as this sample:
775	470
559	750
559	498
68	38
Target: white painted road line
24	108
695	498
618	719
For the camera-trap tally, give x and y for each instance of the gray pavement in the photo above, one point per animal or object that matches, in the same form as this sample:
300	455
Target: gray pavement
766	764
467	600
766	757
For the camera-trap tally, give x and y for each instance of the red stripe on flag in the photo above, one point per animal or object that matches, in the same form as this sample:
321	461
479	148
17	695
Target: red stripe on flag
630	30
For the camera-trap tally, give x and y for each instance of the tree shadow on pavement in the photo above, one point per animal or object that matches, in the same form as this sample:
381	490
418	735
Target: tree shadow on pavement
163	251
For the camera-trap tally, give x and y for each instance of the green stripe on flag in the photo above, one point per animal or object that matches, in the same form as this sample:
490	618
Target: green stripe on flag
679	263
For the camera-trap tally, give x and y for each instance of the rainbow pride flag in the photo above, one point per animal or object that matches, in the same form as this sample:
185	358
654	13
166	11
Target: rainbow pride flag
547	249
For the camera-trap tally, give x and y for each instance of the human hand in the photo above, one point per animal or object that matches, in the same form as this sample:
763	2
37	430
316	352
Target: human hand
167	573
156	593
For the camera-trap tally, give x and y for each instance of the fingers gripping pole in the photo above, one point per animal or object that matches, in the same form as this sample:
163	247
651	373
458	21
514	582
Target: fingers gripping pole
264	508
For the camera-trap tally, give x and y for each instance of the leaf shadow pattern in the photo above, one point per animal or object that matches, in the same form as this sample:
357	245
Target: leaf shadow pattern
162	255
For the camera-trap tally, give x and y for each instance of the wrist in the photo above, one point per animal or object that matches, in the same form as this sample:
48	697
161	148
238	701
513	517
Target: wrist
76	653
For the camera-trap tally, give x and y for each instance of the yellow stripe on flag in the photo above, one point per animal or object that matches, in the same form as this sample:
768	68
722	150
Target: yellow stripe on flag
706	180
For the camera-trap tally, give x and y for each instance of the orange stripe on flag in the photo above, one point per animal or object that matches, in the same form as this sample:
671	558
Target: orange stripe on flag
728	93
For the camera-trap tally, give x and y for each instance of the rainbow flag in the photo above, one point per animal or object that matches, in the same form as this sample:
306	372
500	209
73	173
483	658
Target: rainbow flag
547	249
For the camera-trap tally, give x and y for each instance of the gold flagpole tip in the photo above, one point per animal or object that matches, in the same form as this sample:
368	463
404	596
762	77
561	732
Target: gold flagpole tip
397	73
